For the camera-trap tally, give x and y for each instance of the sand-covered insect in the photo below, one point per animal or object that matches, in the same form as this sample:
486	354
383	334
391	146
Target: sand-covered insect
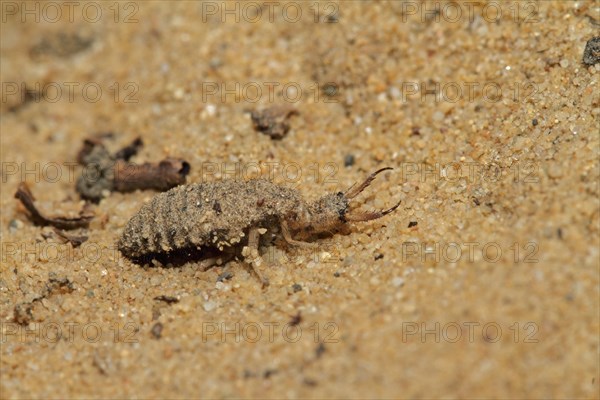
225	219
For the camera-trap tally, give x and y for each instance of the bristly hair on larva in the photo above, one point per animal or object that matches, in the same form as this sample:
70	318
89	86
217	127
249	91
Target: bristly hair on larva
225	219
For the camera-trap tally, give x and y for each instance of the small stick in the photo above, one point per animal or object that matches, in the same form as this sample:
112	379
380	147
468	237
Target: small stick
75	240
162	176
26	197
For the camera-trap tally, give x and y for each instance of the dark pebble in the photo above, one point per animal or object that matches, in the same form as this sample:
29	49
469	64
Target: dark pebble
320	350
310	382
591	54
224	276
268	373
167	299
349	160
157	330
330	89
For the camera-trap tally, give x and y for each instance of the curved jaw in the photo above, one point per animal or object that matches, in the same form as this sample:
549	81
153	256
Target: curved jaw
368	216
352	192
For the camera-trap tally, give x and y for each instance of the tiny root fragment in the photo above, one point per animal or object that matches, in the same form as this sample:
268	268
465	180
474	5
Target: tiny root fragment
26	197
75	240
273	121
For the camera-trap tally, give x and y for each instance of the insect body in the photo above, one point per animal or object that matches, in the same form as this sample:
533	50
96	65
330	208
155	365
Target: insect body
229	215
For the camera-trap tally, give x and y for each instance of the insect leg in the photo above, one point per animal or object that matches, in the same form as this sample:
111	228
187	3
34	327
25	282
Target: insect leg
251	256
212	261
285	230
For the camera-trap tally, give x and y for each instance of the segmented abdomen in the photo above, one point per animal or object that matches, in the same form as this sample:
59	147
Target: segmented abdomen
205	214
164	224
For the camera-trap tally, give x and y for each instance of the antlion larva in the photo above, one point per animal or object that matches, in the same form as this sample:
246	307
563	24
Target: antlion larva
228	217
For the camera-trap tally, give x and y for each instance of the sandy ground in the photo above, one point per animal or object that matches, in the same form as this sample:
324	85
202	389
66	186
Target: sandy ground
484	283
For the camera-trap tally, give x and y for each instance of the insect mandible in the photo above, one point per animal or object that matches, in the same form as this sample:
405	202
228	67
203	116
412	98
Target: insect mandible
229	217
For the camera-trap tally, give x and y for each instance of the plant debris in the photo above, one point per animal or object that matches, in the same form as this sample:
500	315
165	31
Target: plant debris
75	240
105	172
23	312
272	121
165	175
26	197
61	45
296	319
57	285
310	382
167	299
27	96
269	372
130	150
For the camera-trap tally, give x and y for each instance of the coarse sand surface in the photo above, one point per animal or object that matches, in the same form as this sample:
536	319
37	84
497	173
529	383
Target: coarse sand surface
484	283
